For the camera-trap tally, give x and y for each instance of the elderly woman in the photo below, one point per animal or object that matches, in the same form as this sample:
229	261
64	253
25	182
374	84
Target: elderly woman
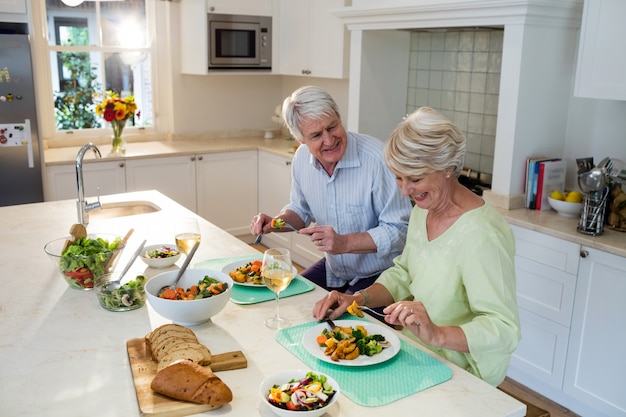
457	265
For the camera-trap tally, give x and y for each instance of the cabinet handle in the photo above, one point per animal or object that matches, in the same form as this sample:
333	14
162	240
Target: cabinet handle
287	163
584	253
193	158
306	72
121	165
212	8
200	158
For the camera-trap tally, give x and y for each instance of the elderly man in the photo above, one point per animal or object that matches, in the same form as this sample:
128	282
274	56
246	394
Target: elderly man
340	182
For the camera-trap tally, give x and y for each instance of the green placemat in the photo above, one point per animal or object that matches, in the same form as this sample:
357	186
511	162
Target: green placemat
252	295
410	371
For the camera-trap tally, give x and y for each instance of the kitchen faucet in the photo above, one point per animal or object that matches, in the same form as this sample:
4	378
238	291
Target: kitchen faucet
82	207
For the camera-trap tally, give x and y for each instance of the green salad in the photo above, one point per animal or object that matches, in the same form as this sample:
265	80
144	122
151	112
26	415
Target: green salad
86	259
128	296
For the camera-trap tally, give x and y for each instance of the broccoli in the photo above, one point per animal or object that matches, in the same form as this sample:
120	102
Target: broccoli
368	347
358	334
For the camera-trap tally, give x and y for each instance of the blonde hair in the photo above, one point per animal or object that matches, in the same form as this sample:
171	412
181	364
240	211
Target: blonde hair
425	142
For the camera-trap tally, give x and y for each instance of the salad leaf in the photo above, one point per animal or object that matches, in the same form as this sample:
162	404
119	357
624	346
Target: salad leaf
88	253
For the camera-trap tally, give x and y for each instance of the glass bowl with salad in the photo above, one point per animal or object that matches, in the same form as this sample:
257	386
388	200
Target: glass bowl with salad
83	261
160	256
299	392
127	293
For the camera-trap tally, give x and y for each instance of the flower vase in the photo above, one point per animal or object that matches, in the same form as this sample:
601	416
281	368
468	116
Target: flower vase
118	144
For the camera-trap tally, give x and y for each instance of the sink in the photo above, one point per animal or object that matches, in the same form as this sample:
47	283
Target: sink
124	208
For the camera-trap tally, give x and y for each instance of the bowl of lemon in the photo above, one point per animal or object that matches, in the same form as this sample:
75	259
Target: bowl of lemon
566	204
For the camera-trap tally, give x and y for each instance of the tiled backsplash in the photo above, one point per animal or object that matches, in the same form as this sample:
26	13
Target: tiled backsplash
457	71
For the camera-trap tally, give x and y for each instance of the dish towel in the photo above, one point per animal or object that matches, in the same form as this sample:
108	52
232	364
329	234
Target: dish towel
252	295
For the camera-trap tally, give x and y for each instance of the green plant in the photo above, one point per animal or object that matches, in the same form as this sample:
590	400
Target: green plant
75	105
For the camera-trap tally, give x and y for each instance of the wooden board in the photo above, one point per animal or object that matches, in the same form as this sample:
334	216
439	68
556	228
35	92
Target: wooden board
152	404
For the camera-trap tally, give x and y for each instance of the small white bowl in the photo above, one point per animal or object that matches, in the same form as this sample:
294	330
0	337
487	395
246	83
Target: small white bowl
187	312
159	263
284	377
565	208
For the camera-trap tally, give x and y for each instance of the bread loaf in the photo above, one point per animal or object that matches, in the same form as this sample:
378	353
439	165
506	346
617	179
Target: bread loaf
187	381
171	342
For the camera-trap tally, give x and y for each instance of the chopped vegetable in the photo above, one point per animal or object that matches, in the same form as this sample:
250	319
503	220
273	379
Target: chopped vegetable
130	294
207	287
309	393
278	223
345	342
250	272
86	259
163	252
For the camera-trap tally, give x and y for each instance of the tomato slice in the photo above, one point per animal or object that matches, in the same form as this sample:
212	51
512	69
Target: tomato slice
290	406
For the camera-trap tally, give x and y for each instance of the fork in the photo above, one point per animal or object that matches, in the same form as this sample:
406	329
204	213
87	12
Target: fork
288	226
365	308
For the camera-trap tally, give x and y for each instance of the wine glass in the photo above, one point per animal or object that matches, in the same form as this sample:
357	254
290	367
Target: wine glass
276	272
187	233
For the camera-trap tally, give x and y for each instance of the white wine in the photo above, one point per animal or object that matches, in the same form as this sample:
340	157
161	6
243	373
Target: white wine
277	279
185	241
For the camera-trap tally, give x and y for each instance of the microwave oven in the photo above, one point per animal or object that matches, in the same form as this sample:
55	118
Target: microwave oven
238	42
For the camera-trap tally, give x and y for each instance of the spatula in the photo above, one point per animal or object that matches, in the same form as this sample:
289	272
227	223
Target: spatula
77	231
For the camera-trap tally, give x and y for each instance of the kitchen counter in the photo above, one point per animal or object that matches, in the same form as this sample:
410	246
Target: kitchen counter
66	356
550	223
150	149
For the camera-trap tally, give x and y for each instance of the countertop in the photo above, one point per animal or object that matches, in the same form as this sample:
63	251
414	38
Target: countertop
548	222
66	356
153	149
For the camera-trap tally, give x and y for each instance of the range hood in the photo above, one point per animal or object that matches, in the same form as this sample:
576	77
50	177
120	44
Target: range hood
538	61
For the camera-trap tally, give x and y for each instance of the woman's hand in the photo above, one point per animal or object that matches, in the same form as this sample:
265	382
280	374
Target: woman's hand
332	306
413	316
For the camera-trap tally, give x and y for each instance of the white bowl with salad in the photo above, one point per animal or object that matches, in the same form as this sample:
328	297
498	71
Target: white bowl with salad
189	306
160	256
85	260
125	294
299	392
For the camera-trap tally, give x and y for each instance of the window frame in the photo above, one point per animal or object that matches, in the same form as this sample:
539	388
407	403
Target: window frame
42	71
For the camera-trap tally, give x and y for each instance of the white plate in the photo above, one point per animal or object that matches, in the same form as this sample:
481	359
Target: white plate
308	340
234	265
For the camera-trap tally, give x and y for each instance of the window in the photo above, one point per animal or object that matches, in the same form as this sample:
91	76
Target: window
95	47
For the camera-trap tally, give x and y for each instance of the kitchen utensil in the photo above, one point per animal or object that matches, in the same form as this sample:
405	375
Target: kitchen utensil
181	271
258	238
584	164
592	180
287	226
365	308
122	245
131	260
331	323
77	231
614	167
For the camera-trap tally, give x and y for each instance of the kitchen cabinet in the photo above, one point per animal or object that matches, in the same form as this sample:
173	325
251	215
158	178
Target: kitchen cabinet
194	47
313	42
245	7
174	176
546	269
601	61
596	363
99	178
212	185
227	189
13	6
274	189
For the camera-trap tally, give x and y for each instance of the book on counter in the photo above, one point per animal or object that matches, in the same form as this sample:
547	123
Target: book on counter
543	175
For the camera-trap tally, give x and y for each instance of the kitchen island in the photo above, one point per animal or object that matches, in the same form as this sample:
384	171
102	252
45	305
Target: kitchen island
63	355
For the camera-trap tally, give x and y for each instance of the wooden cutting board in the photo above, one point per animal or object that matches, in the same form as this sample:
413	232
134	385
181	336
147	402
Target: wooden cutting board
153	404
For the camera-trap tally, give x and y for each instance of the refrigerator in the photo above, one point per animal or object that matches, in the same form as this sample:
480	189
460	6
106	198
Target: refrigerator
20	154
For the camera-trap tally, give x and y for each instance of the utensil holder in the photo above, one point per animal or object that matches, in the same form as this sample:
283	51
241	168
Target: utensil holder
592	216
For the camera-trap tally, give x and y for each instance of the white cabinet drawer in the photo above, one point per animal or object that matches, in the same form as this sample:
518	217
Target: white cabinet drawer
547	250
542	351
545	291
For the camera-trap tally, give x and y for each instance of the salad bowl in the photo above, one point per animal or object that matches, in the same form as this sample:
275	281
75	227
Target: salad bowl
121	293
272	388
82	262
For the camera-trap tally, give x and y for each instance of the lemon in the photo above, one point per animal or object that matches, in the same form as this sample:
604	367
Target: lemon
557	195
574	197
